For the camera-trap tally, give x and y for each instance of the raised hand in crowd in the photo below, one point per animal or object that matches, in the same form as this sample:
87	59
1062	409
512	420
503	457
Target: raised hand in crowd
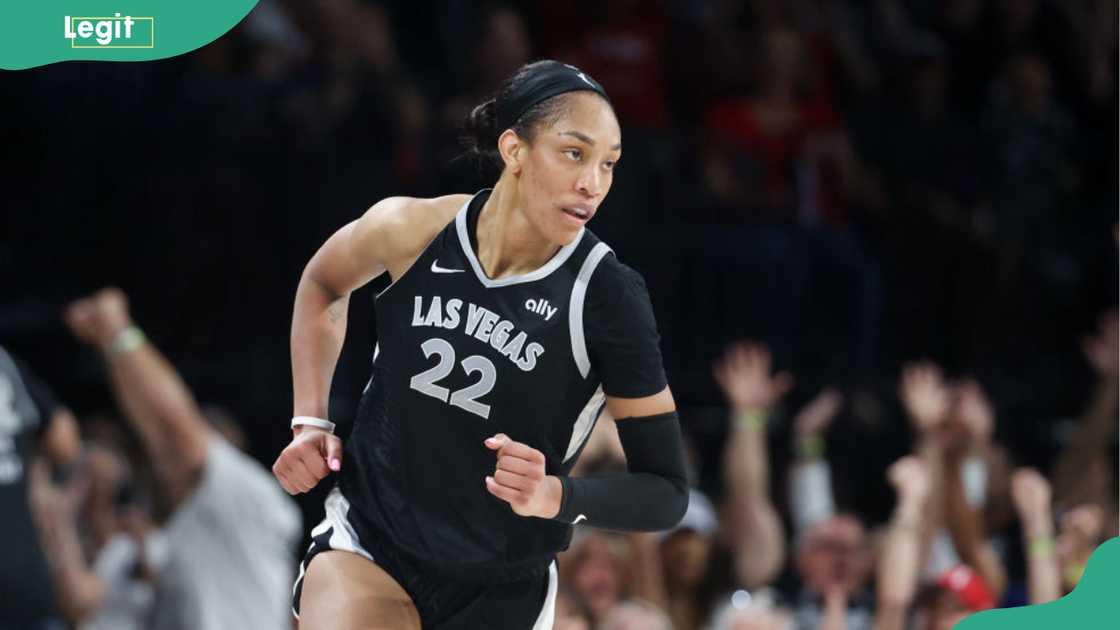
105	553
1080	530
1030	492
965	516
959	415
911	483
928	400
80	591
744	375
99	318
926	395
810	480
811	422
973	423
1083	473
833	560
232	528
901	554
975	415
149	390
1100	349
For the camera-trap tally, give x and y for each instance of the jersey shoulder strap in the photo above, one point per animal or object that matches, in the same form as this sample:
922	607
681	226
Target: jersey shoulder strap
591	251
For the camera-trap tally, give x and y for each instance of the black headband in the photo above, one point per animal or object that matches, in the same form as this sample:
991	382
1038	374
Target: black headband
552	79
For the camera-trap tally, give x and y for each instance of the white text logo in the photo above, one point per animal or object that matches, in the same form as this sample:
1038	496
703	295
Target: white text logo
110	32
541	307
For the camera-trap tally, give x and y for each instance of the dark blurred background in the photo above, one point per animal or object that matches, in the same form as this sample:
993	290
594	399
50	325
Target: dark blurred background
855	183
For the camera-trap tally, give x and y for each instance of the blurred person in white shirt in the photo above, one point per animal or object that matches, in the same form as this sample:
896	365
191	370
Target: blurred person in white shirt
232	531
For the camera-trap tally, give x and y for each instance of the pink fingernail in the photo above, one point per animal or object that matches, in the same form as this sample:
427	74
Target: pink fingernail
335	465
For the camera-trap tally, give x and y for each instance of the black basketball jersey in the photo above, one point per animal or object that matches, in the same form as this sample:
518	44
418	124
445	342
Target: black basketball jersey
461	357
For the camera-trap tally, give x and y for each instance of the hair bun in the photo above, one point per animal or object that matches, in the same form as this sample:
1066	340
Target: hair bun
480	129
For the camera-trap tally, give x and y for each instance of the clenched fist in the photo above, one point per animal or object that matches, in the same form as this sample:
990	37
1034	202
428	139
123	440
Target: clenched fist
1030	492
98	318
925	395
520	480
910	478
312	455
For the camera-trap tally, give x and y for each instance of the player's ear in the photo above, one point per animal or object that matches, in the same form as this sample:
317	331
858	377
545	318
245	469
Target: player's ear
512	149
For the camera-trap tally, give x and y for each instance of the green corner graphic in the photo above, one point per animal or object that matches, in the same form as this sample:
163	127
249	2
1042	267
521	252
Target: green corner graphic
48	31
1091	605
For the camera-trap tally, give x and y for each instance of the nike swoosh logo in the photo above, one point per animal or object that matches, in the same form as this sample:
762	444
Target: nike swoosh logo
579	518
437	269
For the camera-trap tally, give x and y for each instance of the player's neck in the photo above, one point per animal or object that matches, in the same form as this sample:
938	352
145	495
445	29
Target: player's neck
508	245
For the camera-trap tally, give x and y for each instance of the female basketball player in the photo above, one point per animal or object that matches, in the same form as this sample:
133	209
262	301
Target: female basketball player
506	329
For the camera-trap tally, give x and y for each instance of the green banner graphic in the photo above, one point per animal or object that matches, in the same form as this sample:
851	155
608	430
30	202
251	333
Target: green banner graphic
41	32
1093	604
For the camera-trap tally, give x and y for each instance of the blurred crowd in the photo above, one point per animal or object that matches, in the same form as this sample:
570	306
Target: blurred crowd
154	520
909	205
969	529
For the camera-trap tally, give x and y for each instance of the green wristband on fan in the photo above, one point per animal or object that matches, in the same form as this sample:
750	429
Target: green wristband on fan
809	446
1073	572
751	419
1042	545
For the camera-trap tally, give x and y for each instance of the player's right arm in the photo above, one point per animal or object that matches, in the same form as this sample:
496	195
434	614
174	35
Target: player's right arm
388	237
355	254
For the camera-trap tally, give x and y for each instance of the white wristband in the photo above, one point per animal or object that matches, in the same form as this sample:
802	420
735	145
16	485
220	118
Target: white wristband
126	341
313	422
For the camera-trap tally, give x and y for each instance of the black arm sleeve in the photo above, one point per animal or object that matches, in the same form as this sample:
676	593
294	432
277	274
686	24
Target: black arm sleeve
621	332
652	496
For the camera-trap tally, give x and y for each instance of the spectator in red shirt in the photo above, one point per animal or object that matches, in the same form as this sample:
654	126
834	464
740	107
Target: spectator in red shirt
781	150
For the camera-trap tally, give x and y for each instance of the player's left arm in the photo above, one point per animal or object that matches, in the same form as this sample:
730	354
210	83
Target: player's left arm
659	403
622	346
652	495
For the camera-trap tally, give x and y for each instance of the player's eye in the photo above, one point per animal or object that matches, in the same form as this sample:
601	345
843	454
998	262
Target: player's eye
609	164
575	154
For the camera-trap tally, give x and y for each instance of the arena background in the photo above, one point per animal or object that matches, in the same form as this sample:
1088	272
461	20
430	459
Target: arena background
950	193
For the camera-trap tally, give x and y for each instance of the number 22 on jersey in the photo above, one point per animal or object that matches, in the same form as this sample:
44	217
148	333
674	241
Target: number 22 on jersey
466	398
